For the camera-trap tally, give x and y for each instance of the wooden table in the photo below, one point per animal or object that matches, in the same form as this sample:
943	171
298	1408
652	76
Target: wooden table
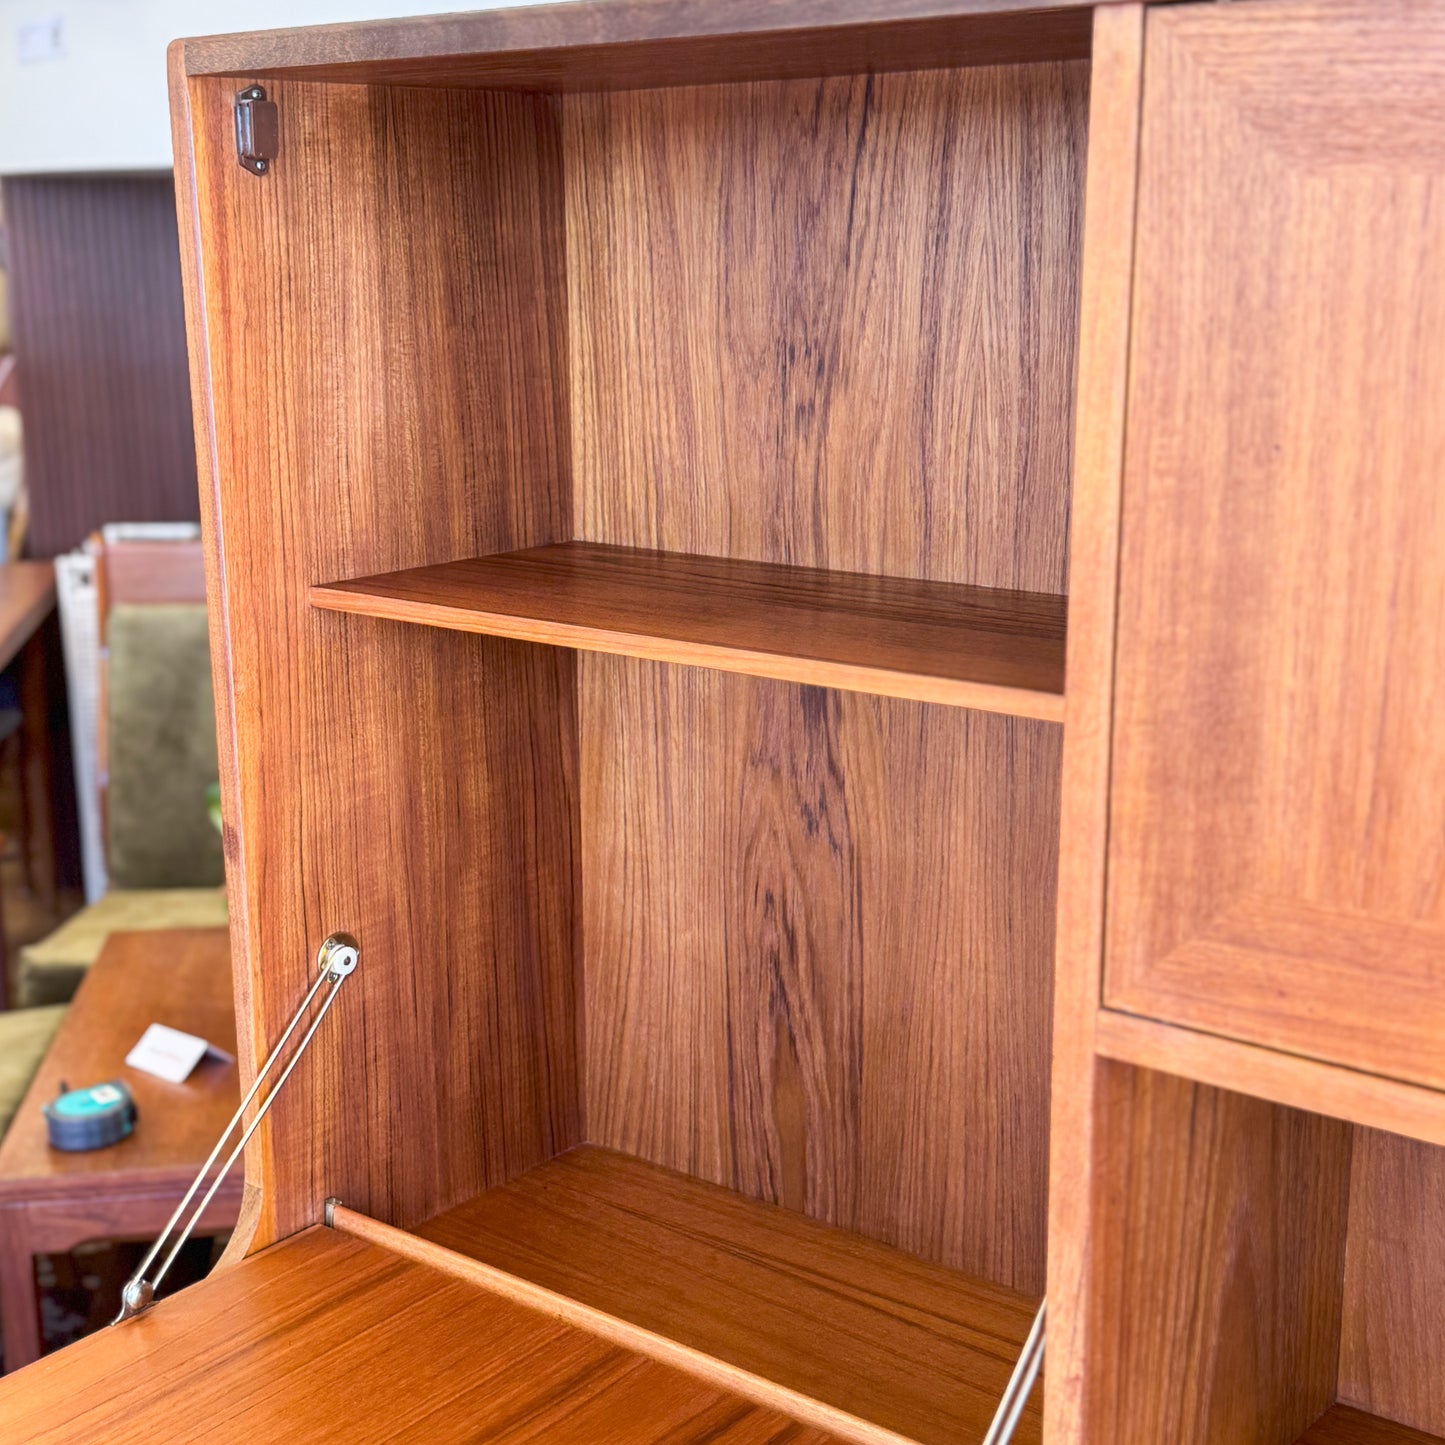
51	1201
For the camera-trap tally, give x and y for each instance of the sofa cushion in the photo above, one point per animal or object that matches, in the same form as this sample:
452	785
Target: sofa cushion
25	1034
162	735
51	970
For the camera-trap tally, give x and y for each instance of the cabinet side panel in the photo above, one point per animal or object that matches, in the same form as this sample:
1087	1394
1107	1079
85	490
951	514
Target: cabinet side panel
1393	1339
818	952
831	322
1218	1252
383	322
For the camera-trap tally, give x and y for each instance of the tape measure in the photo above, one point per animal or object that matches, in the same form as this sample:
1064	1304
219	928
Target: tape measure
90	1118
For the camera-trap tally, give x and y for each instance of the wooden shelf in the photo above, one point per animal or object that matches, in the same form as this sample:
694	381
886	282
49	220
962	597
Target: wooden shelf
1344	1426
886	1342
977	647
324	1337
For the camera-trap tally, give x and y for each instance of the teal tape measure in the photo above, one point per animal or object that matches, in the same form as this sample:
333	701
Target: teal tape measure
90	1118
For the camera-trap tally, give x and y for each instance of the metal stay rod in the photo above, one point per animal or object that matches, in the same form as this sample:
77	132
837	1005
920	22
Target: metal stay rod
1020	1385
335	962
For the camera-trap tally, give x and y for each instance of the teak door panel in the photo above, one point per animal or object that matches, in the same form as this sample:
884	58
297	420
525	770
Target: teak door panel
1277	826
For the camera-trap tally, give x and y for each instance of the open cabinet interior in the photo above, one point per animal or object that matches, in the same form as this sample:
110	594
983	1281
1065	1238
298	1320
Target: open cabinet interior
1304	1249
672	524
651	467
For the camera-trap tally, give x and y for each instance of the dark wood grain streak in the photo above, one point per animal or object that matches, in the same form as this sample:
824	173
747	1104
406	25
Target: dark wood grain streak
351	416
1219	1236
914	1348
100	338
830	323
627	44
974	647
1343	1425
324	1336
817	930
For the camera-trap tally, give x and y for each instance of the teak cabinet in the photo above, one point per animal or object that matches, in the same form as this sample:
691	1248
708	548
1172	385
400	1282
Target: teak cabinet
653	453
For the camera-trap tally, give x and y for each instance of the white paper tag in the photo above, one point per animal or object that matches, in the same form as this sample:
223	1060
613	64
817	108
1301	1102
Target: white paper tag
169	1054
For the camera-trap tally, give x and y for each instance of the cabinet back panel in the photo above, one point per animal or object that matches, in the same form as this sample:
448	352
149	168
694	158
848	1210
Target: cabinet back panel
1216	1256
818	934
414	786
830	322
1393	1338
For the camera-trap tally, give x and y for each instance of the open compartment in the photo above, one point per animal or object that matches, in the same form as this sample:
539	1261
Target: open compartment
670	519
1266	1273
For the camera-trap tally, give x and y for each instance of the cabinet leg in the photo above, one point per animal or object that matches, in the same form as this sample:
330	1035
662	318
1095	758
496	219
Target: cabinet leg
19	1305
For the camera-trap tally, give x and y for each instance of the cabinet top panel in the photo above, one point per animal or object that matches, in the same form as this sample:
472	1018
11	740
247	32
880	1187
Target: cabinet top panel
639	44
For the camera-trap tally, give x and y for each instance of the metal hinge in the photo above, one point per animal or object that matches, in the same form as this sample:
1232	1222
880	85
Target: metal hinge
258	129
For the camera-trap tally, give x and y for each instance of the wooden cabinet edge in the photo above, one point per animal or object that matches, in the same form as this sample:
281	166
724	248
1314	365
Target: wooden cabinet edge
1108	248
252	1229
1290	1079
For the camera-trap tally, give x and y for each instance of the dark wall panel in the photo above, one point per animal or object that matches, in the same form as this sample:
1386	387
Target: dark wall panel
99	334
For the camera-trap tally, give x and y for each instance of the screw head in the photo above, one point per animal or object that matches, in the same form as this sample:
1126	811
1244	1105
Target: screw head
260	165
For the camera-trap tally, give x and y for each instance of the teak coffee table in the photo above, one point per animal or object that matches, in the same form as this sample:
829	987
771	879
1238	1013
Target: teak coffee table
51	1201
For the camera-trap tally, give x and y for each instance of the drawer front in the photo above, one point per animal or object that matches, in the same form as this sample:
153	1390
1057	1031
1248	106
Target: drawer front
1277	819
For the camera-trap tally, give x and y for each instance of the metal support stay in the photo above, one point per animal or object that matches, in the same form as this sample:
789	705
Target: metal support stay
335	963
1020	1385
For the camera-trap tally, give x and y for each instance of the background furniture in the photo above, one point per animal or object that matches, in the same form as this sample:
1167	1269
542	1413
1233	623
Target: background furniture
158	756
27	602
650	454
98	336
51	1201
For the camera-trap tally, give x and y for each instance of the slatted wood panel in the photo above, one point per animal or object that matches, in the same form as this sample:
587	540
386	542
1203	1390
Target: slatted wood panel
100	340
830	323
1281	674
818	932
326	1337
414	787
899	1344
1393	1338
1218	1243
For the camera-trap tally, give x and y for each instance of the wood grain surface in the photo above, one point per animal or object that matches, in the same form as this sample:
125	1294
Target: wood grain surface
624	44
1108	249
1218	1251
919	1350
975	647
817	930
325	1336
1393	1339
830	323
1281	675
1301	1083
1343	1425
345	421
